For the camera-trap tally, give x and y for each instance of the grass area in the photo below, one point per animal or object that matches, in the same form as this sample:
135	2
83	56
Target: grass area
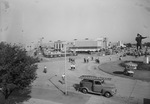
141	65
117	67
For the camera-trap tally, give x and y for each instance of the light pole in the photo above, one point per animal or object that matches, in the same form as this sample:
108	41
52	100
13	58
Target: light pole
65	73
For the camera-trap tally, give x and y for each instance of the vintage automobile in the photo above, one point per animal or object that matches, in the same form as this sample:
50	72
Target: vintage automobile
128	72
97	85
129	69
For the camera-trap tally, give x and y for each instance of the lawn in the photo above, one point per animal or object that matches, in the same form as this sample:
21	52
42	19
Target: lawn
117	67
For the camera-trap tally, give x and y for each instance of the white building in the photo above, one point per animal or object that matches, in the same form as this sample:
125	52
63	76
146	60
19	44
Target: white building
59	45
90	44
78	45
117	44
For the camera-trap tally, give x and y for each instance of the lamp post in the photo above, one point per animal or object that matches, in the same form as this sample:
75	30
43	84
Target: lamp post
65	73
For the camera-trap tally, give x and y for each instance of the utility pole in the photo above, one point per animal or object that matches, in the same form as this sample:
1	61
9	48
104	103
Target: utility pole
66	92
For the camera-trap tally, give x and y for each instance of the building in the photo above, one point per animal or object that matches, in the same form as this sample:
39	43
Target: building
116	44
49	45
89	45
86	45
59	45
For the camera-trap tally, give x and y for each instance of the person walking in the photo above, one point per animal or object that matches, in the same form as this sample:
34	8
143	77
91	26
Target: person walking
139	41
63	78
72	66
45	69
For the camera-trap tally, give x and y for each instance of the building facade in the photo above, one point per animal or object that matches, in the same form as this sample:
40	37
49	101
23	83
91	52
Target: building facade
59	45
116	44
85	45
90	45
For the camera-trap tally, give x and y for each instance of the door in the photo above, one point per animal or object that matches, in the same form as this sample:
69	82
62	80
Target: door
97	87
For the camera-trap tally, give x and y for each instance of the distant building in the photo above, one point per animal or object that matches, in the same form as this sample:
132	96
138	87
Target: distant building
89	45
116	44
48	45
59	45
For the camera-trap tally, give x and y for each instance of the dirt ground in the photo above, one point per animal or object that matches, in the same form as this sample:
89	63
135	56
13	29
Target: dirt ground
45	91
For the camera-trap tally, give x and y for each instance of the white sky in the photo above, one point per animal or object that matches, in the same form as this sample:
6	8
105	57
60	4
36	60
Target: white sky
28	20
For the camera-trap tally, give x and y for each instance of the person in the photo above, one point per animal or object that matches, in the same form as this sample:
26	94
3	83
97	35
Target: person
63	78
120	57
72	66
45	69
110	58
92	58
69	59
84	60
139	41
136	54
87	60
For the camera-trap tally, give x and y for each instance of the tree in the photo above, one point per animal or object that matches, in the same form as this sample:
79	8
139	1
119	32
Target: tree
128	45
147	44
17	69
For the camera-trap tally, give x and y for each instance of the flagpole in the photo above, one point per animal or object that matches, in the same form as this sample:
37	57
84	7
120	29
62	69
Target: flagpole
65	73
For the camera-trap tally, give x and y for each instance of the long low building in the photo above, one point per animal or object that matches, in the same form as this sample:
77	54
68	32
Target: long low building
86	45
89	45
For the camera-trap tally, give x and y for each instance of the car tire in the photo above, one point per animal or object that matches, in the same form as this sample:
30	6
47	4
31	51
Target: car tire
131	75
84	90
107	94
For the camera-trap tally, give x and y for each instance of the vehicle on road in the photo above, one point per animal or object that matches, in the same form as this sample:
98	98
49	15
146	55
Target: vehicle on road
128	72
129	69
97	85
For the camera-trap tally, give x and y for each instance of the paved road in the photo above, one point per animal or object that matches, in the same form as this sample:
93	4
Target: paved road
129	91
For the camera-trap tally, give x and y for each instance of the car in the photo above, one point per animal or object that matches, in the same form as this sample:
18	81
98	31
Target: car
97	85
128	72
129	68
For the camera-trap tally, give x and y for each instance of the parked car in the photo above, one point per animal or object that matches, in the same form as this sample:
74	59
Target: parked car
128	72
97	85
129	69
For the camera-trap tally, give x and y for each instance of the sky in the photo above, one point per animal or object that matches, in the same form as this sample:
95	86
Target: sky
26	21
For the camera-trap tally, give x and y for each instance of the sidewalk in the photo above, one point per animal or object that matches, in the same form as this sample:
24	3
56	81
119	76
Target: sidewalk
39	101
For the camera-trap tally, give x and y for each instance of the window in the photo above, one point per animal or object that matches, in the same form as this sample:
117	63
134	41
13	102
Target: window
97	83
86	80
90	81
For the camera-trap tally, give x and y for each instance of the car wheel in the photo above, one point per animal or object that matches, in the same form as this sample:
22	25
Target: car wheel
131	75
84	90
107	94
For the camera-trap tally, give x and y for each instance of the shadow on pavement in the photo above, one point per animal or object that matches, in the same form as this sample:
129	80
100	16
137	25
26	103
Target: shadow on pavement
118	72
57	87
76	87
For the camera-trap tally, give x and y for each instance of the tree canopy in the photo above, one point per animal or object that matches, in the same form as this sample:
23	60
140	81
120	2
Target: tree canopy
17	69
128	45
147	44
